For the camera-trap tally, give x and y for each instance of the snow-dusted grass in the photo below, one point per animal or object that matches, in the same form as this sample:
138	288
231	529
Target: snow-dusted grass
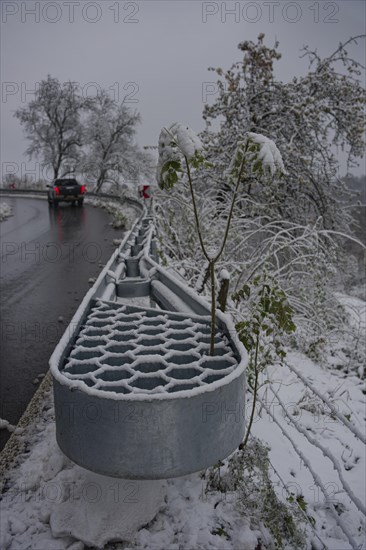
5	211
316	455
346	349
123	215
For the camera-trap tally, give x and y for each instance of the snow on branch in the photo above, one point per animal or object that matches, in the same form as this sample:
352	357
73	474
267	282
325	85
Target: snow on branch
187	141
327	402
260	152
176	142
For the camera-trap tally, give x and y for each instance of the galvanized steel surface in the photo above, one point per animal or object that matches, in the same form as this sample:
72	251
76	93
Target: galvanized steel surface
137	394
133	350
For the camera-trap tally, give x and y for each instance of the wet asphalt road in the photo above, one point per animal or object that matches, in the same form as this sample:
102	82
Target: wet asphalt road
47	258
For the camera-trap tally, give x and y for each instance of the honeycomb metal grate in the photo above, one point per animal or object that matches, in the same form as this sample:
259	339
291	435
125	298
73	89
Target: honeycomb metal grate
134	350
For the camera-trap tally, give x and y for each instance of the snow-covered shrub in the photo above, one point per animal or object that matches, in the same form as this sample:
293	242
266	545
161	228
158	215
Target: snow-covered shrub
122	215
181	153
246	473
5	211
268	319
299	257
119	220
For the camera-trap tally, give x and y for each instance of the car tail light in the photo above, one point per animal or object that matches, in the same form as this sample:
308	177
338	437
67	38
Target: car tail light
57	190
83	189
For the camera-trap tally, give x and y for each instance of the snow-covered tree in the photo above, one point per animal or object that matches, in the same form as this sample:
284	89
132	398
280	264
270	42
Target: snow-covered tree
291	228
52	124
309	118
112	152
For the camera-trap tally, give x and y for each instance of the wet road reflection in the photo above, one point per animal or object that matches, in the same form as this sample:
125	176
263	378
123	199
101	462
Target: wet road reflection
47	258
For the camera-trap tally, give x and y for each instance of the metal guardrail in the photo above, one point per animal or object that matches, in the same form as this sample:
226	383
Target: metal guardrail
137	394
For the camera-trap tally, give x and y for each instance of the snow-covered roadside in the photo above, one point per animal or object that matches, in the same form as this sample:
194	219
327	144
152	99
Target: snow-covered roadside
316	463
122	215
45	490
5	211
311	450
355	308
316	458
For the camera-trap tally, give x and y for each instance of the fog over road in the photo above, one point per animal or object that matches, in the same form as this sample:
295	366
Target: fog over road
47	258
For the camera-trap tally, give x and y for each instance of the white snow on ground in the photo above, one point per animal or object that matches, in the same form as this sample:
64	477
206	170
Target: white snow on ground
296	423
355	308
123	215
309	417
5	211
47	495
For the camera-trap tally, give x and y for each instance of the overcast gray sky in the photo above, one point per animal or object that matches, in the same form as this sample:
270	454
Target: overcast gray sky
155	52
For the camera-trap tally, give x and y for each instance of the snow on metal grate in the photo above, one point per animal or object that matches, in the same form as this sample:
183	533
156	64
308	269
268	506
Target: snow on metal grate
133	350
